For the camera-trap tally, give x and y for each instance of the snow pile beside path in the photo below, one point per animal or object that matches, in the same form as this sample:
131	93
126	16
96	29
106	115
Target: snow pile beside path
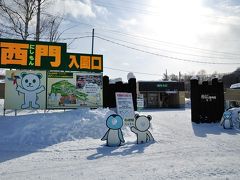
52	128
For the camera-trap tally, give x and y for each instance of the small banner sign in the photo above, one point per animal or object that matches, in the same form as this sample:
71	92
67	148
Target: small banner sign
140	102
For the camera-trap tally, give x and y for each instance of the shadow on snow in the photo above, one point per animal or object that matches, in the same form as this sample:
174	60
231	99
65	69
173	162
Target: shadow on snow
202	130
127	149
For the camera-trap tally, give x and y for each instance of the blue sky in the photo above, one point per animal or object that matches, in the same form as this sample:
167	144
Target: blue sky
150	36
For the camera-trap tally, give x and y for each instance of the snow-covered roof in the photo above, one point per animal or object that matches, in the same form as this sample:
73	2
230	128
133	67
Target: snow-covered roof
113	81
194	78
235	86
130	75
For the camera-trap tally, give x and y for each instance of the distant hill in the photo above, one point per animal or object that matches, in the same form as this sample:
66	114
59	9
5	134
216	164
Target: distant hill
231	78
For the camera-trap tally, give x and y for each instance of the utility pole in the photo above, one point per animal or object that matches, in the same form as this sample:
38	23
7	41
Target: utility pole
166	75
38	20
179	76
92	40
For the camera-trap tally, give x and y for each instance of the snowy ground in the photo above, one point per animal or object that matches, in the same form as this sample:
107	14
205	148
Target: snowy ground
66	145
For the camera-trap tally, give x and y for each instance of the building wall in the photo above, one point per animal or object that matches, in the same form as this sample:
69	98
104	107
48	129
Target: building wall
160	94
2	89
163	99
207	101
109	91
182	98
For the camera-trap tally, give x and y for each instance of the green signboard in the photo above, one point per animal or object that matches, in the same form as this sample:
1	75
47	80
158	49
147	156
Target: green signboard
52	78
162	85
19	54
85	62
74	90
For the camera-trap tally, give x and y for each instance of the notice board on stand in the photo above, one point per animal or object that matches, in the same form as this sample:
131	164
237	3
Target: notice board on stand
125	109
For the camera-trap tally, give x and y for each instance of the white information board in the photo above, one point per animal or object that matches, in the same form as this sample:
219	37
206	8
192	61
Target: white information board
140	102
125	107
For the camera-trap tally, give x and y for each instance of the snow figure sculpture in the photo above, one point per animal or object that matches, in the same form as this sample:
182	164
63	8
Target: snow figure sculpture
142	124
30	87
114	134
238	120
226	121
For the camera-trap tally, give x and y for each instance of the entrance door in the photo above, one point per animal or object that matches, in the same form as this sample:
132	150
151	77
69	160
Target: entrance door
152	100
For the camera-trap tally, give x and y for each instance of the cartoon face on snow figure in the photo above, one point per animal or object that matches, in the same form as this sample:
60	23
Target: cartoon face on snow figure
114	122
114	135
142	124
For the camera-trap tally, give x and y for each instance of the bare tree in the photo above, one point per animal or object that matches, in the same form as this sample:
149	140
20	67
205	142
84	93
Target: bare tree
165	76
38	19
173	77
231	78
186	79
50	28
215	74
202	75
17	20
16	16
54	34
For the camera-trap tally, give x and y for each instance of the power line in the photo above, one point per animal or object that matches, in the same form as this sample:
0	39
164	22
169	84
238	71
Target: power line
161	55
141	4
133	71
166	42
101	27
67	19
159	41
78	37
139	11
165	49
154	13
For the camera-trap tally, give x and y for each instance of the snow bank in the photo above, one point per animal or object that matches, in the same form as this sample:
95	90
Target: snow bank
52	128
182	149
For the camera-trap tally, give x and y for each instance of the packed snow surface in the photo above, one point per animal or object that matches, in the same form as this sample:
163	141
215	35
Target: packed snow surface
66	146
